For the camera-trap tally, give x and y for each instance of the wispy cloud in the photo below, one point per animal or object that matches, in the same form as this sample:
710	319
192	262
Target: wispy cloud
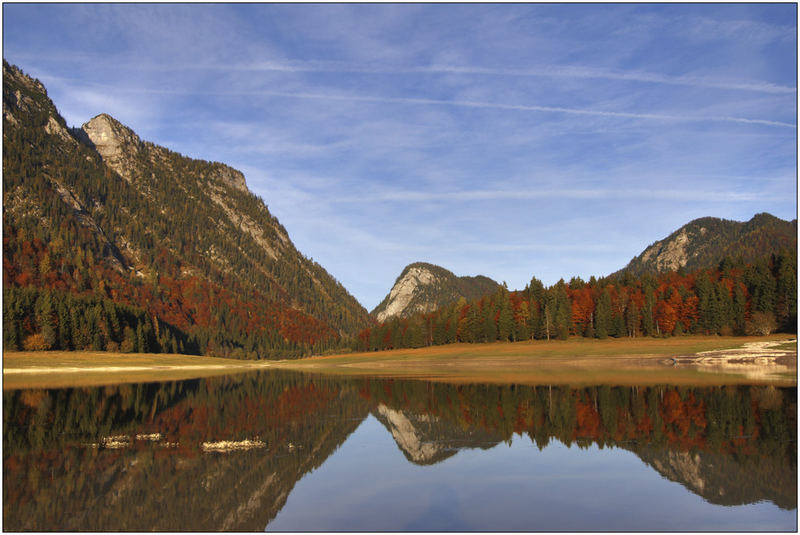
527	108
533	194
554	71
579	72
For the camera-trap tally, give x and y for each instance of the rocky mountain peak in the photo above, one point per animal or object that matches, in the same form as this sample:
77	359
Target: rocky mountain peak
704	242
113	140
26	96
409	438
426	439
12	73
117	144
229	176
723	480
423	287
404	290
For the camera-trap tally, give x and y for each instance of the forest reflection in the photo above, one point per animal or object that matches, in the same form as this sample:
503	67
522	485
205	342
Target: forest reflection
224	453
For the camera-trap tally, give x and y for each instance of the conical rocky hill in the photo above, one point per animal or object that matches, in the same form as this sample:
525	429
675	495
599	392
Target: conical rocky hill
423	287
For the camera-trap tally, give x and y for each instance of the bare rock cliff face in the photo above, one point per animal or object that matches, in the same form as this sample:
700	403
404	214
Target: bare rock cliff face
120	148
115	142
404	291
230	176
670	254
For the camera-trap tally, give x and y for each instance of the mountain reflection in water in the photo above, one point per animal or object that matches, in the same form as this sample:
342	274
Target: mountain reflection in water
225	453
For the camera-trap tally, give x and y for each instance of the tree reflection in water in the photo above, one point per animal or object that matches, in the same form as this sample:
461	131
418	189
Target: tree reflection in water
224	453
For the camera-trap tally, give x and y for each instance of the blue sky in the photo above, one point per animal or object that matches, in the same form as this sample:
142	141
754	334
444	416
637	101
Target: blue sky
511	140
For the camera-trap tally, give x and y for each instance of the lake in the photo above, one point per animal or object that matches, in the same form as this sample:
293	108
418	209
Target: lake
285	451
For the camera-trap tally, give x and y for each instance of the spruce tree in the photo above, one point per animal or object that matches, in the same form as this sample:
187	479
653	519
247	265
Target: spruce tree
632	319
739	308
488	324
602	315
706	306
505	319
563	310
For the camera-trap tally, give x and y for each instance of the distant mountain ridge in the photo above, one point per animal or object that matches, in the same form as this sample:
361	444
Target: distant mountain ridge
704	242
423	287
99	217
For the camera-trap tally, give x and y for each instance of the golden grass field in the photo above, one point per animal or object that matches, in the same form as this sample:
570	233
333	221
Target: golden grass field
575	361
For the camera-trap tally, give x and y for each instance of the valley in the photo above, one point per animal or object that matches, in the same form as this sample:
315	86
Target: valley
369	268
114	244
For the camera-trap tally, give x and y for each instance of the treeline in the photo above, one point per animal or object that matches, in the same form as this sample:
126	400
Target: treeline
733	299
36	319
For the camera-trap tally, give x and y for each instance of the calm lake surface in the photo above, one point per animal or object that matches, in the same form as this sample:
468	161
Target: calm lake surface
283	451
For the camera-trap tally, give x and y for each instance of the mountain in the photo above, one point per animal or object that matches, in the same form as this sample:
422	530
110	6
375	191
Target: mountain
423	287
112	242
704	242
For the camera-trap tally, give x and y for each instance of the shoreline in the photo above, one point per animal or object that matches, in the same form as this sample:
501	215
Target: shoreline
63	369
689	359
113	369
686	360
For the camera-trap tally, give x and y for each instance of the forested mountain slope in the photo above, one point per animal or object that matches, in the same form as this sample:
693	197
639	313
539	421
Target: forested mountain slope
111	242
703	243
423	287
